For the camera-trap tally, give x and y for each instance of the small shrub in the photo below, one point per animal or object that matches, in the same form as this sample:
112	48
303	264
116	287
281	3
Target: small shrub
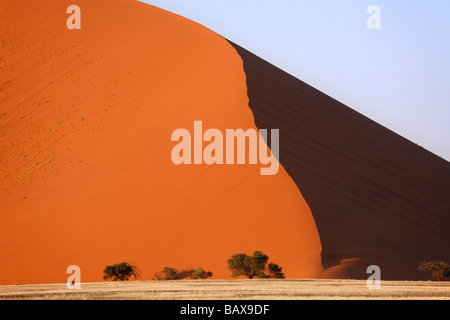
201	274
440	270
167	273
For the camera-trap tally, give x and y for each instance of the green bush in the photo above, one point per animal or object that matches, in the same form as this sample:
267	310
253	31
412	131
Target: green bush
440	270
167	273
201	274
274	271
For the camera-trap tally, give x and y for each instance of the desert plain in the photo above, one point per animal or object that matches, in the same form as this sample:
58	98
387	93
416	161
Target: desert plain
261	289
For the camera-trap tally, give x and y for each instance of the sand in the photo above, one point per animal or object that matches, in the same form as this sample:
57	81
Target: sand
87	178
376	198
86	118
291	289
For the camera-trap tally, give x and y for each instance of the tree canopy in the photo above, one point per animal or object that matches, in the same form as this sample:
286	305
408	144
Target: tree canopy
253	266
121	271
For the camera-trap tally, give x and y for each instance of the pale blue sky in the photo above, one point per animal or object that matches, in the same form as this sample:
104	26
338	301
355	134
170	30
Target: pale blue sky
398	76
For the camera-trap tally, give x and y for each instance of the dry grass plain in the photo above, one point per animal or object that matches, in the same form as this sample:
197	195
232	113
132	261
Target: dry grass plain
286	289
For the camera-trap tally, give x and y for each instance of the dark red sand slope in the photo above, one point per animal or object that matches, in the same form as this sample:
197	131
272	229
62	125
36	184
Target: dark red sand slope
376	197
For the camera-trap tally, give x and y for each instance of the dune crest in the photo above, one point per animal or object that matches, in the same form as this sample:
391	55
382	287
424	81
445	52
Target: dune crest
87	178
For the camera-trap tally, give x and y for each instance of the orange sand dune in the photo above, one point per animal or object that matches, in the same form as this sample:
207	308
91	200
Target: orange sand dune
86	175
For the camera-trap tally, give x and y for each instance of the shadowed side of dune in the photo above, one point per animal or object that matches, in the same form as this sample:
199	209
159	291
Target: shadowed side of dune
376	197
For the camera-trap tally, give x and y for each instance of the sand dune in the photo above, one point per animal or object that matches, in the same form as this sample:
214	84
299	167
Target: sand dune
86	121
376	197
86	118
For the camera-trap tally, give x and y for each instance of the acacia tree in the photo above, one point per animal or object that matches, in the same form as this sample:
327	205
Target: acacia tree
439	269
253	266
121	271
249	266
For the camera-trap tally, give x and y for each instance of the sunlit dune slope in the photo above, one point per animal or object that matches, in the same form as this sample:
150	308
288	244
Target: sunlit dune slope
87	179
377	198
